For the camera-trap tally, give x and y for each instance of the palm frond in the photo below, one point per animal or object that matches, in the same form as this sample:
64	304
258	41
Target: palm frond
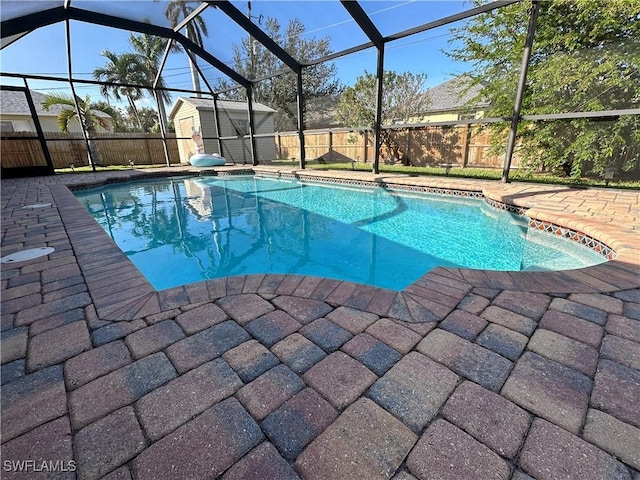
58	99
103	122
64	117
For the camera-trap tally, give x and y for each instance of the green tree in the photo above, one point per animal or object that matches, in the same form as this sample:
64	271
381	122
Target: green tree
149	119
87	115
122	71
120	120
178	10
586	57
252	60
150	50
403	99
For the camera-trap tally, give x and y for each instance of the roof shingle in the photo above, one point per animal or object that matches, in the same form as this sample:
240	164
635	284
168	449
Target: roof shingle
451	95
15	102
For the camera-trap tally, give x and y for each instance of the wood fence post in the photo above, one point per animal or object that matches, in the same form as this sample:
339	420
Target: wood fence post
146	144
279	145
465	147
366	149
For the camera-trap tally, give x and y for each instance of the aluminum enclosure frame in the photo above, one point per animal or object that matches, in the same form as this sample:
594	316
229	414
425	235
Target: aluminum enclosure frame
13	29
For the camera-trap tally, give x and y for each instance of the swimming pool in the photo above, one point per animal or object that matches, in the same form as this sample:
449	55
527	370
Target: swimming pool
179	231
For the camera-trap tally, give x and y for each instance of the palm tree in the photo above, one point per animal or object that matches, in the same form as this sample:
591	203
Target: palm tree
176	11
150	50
119	121
85	114
119	70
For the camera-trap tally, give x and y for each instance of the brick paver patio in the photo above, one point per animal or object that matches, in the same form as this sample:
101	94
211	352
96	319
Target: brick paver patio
465	374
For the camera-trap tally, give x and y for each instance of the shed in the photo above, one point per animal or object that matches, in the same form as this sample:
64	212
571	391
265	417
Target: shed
198	113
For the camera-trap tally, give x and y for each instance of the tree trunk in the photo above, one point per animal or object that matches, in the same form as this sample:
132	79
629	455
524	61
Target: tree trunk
195	79
94	151
135	113
162	116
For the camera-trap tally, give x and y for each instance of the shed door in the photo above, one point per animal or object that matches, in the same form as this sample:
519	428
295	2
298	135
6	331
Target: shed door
186	124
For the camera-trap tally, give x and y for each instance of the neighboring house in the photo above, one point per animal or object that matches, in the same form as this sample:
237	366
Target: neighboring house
197	113
15	115
453	100
448	102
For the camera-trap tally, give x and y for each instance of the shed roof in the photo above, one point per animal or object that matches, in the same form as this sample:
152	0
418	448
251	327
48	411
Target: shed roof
207	104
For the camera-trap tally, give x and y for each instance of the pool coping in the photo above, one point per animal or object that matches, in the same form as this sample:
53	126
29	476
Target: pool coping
116	300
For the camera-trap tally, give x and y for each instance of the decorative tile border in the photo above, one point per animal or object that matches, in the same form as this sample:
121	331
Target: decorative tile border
579	237
433	190
506	207
312	178
549	227
385	185
225	173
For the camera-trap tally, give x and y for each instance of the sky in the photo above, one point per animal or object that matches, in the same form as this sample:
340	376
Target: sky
43	52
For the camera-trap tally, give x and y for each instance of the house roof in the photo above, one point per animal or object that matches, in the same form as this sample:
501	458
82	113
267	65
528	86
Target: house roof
453	95
207	104
15	103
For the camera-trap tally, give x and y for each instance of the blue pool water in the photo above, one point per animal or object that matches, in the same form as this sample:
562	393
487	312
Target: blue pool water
179	231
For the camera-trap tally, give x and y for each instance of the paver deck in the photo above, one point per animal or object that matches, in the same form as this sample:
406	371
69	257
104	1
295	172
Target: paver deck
464	374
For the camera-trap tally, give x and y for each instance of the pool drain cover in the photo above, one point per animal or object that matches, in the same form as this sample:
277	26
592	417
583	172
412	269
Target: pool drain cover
25	255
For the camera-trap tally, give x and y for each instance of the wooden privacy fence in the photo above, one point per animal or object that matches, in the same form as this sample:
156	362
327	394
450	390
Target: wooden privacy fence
464	145
328	146
22	149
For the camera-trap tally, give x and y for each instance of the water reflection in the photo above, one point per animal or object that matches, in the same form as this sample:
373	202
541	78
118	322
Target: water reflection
184	230
219	231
